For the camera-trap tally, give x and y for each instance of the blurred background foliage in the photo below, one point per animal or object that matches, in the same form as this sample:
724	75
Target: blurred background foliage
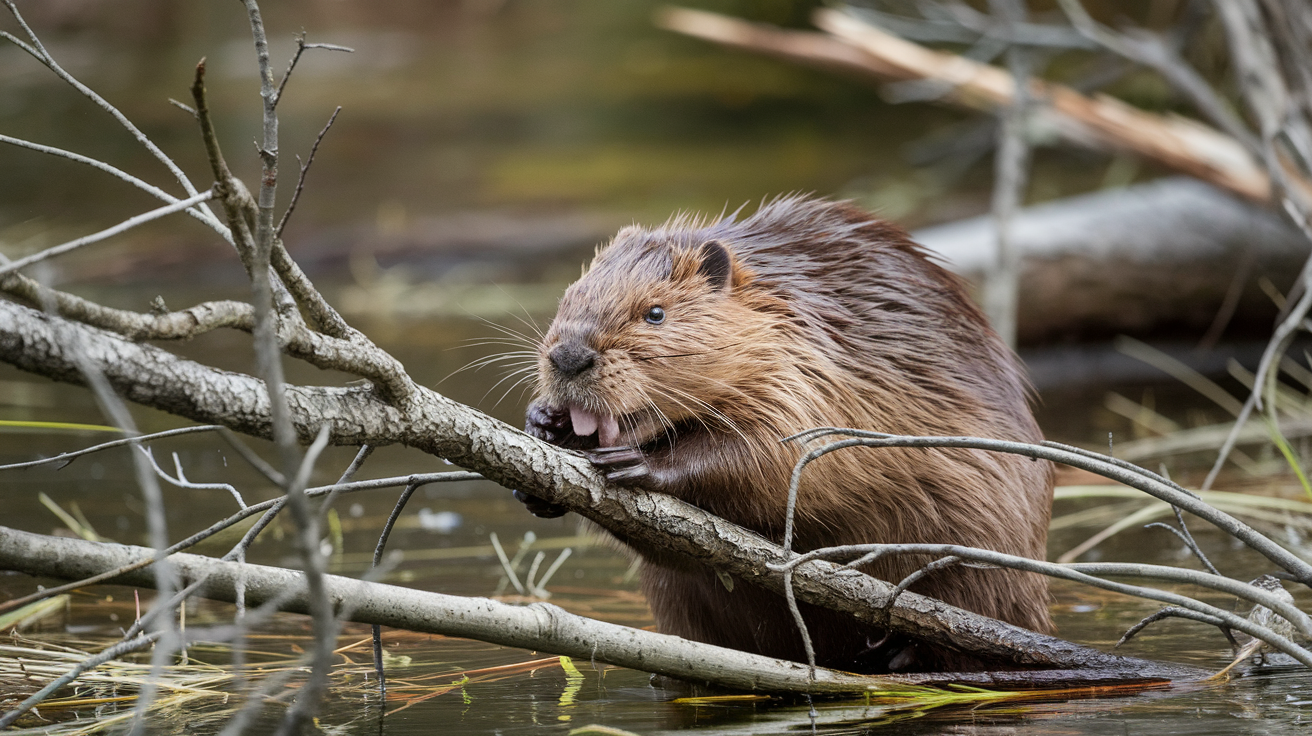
568	117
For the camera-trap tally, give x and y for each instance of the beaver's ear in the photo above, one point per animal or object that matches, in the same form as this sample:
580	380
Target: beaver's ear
716	264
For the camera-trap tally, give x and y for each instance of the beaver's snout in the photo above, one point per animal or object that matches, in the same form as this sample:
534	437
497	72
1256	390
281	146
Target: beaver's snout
572	358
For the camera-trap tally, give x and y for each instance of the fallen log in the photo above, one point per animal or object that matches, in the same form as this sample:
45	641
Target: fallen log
1167	255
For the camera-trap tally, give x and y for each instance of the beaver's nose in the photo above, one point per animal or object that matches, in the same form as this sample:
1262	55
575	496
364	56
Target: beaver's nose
572	358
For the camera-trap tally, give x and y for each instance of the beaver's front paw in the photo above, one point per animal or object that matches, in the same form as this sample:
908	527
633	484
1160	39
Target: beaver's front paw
552	424
626	466
547	423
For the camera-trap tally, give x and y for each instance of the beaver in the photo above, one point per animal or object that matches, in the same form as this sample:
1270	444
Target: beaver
685	353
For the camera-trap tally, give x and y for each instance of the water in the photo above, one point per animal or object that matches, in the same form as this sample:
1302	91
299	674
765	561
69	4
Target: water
483	150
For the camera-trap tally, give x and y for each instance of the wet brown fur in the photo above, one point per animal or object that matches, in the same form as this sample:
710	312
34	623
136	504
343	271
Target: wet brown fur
830	317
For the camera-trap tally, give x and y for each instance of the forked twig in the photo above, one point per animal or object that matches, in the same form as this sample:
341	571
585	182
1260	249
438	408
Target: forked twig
378	558
301	46
305	167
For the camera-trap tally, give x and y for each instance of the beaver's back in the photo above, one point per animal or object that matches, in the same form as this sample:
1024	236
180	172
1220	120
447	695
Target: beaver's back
871	301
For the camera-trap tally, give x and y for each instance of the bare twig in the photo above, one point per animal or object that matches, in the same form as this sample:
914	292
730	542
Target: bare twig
1279	343
1175	612
67	457
200	213
1186	537
378	558
37	50
301	46
1130	475
790	596
180	480
305	167
124	226
930	568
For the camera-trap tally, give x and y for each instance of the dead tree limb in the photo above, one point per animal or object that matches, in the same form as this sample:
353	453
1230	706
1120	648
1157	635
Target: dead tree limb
1099	122
538	626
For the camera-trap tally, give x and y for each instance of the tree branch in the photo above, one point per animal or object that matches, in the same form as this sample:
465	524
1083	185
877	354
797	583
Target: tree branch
124	226
538	626
180	325
38	51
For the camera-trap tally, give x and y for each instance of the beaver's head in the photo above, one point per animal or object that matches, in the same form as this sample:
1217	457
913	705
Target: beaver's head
660	330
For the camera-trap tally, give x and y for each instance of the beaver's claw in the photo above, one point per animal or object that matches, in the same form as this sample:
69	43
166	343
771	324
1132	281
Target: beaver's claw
624	465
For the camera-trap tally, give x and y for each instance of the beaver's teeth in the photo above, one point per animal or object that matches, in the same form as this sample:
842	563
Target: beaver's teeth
608	432
584	421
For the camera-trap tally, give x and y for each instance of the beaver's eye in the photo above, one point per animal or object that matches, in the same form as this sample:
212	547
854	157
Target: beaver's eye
655	315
